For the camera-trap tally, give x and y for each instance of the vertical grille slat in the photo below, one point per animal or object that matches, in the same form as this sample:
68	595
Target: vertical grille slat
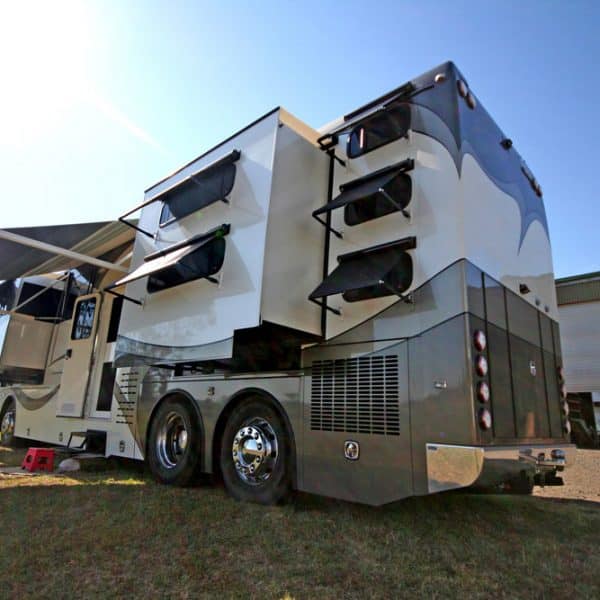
356	395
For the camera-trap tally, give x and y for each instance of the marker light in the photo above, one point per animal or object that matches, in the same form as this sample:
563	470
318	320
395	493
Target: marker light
480	340
472	103
481	365
483	392
485	419
463	90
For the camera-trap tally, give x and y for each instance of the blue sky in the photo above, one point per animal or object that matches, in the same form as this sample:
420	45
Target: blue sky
101	99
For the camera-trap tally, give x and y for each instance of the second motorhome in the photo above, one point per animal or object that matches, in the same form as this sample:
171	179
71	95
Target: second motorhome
366	312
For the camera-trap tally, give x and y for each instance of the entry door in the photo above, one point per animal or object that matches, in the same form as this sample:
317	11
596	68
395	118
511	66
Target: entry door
78	357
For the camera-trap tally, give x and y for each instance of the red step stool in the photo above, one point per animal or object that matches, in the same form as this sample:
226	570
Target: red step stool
39	459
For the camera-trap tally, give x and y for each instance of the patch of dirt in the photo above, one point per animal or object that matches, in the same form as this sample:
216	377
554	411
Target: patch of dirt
582	479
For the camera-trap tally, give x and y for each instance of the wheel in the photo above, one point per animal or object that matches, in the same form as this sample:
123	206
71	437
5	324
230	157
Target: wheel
175	443
7	424
256	454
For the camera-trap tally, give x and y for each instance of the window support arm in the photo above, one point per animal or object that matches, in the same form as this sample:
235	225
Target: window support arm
143	231
335	311
335	232
118	295
404	212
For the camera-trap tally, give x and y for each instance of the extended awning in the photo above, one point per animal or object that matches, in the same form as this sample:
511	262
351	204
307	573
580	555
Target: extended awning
196	258
26	251
371	273
377	194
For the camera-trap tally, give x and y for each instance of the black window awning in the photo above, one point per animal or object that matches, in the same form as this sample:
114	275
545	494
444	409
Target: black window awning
377	194
382	270
200	257
211	184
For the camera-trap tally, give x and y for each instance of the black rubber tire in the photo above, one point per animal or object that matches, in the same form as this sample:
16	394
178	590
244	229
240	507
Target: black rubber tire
279	485
188	467
8	440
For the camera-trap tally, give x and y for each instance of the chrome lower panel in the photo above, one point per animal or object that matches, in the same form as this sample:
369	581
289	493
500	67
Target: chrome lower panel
451	466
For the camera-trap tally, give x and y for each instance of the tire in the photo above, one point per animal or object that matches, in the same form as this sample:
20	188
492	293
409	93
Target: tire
7	424
256	454
175	443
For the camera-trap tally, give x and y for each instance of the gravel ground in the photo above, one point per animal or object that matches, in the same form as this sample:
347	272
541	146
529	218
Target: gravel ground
582	480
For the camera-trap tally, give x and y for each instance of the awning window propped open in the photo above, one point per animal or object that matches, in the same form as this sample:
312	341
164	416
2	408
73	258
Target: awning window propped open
379	271
375	195
210	184
200	257
199	190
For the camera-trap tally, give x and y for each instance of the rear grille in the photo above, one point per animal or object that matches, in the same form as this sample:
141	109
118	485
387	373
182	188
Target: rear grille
356	395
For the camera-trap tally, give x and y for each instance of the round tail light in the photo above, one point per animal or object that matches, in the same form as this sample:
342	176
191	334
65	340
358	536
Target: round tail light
485	419
483	392
481	365
479	340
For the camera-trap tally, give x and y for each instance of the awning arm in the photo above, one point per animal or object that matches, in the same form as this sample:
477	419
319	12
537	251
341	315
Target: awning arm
324	305
52	249
110	290
335	232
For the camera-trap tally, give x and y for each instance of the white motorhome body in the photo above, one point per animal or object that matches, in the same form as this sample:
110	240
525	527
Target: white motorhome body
367	320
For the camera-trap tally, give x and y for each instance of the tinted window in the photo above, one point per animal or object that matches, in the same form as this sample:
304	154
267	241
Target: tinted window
203	262
8	293
197	192
47	304
83	322
380	129
376	205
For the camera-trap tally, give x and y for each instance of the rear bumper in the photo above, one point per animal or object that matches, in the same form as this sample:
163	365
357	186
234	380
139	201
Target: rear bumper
451	466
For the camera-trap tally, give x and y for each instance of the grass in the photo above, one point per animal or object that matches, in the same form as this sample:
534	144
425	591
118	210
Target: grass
116	533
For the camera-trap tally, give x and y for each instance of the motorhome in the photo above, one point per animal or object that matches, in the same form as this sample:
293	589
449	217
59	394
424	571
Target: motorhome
366	311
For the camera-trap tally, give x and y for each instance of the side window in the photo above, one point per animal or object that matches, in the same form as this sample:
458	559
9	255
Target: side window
83	321
197	192
382	128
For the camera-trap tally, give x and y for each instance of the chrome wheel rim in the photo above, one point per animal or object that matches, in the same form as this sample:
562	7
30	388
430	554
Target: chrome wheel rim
255	451
7	427
172	440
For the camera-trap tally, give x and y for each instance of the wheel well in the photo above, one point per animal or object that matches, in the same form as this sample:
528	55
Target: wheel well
233	403
180	395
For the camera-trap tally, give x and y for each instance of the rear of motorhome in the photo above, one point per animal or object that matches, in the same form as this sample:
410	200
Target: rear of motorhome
366	312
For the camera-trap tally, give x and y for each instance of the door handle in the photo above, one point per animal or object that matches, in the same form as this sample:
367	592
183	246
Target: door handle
69	353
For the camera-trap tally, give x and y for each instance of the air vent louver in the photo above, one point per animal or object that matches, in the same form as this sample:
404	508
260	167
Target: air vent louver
356	395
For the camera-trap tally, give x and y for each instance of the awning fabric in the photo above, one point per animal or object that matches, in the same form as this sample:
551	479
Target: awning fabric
161	261
365	268
91	239
391	179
